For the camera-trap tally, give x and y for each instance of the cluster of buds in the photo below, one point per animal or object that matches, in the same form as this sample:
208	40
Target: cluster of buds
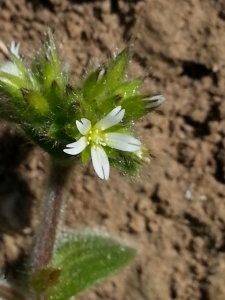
91	121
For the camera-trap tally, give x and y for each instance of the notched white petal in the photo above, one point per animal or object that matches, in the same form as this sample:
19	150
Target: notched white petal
76	147
123	142
100	162
113	118
84	126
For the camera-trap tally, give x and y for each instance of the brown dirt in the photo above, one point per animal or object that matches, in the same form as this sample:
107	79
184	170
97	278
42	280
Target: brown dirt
175	211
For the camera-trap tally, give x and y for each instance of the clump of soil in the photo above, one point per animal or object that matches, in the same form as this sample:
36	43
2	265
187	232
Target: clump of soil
175	212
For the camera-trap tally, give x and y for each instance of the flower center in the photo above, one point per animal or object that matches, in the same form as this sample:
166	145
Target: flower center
96	138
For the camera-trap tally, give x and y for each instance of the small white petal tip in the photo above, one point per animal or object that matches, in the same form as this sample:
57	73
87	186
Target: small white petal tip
154	101
14	48
84	126
101	74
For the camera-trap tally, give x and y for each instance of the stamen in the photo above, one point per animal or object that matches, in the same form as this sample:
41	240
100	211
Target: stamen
96	138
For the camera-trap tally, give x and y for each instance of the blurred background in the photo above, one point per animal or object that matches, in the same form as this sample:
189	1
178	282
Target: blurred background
175	212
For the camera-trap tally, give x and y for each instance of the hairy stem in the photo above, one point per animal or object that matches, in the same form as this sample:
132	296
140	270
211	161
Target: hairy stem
51	215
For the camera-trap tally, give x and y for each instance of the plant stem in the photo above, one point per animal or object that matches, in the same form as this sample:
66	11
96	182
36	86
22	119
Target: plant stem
53	199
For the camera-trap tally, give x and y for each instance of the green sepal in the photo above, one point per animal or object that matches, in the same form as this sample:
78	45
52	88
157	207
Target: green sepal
11	84
129	88
134	108
128	163
72	101
85	155
84	260
37	71
117	70
46	67
111	153
49	74
36	101
72	95
54	97
94	85
108	104
23	74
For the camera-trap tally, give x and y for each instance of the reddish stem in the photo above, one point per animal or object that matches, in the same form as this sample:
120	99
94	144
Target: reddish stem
51	215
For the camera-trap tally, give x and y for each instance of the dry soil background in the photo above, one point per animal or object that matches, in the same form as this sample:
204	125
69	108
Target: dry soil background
175	212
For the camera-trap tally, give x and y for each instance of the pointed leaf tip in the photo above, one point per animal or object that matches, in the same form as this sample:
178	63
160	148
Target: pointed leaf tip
117	69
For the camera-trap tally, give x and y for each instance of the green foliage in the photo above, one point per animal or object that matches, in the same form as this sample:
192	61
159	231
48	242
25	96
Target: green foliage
117	70
44	103
79	262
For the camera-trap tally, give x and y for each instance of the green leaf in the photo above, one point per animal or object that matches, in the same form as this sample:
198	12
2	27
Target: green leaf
85	260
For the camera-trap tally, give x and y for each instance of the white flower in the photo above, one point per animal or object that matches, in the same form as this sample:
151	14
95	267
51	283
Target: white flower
97	138
8	66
